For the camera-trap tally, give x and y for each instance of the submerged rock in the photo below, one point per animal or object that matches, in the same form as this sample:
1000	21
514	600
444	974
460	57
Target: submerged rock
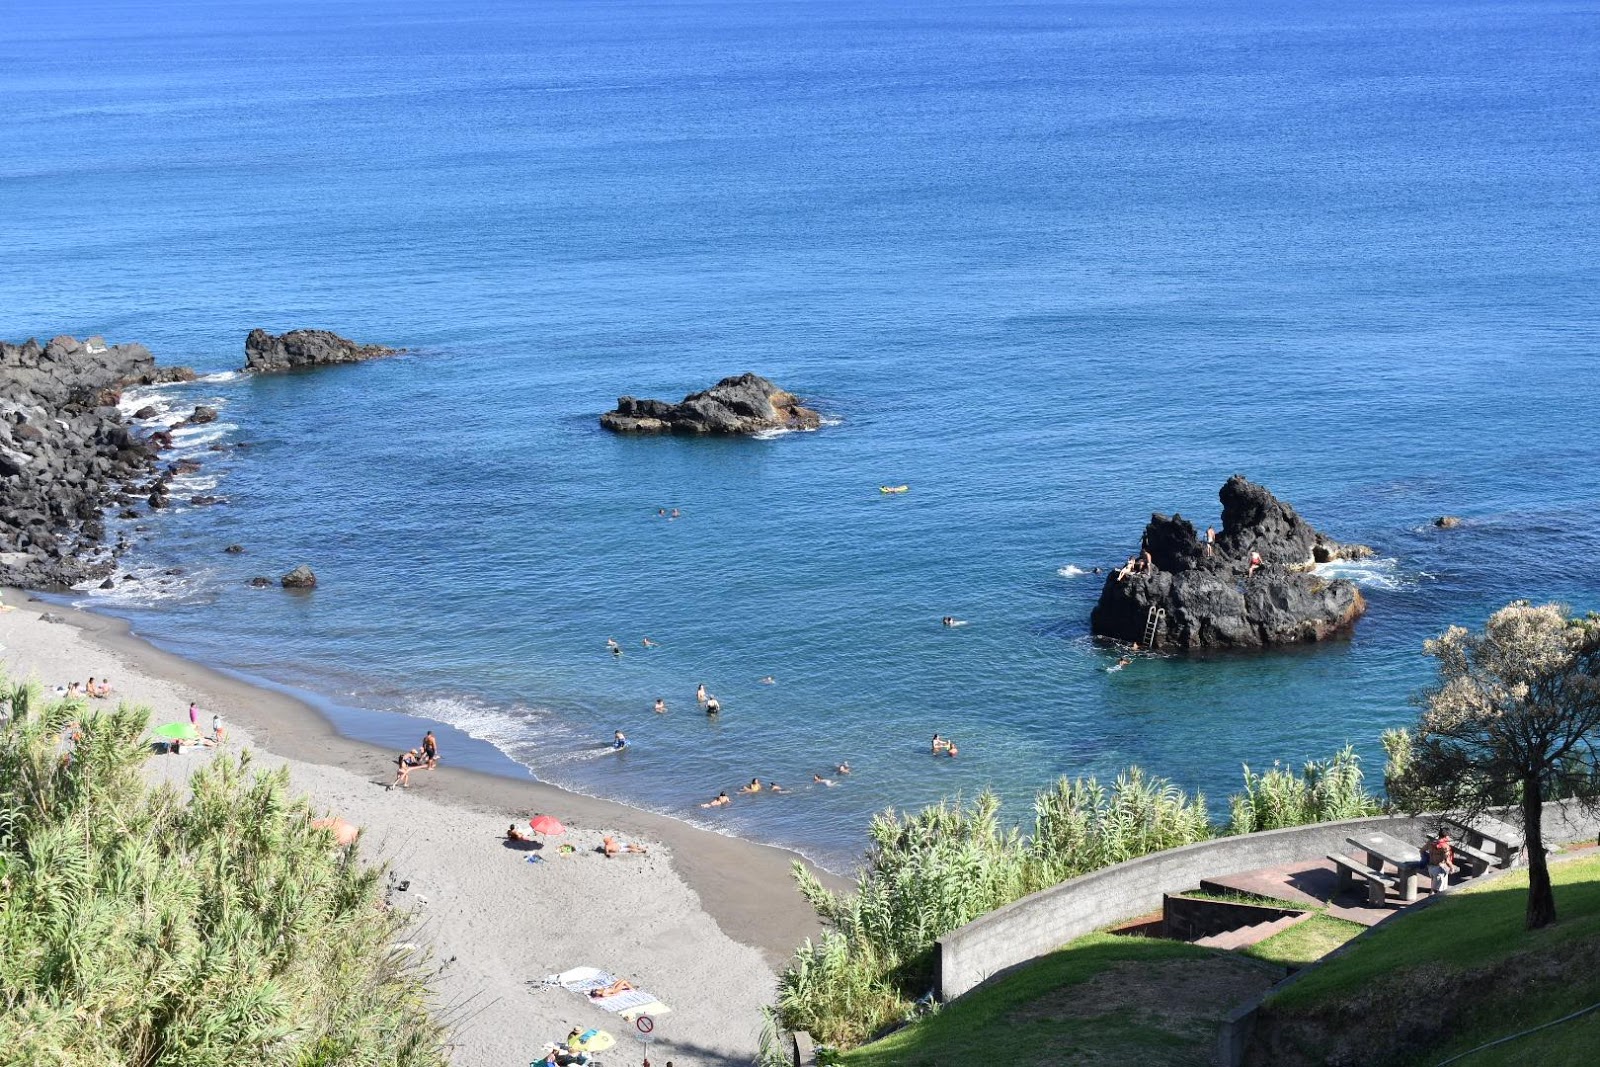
1251	587
305	348
746	404
260	582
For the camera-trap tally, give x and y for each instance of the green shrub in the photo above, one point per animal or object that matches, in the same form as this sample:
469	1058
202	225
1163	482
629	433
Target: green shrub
139	927
1323	791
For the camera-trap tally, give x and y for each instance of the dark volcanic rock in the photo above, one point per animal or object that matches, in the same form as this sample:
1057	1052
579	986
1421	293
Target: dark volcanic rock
259	582
234	550
65	454
149	411
299	578
1211	596
746	404
305	348
203	414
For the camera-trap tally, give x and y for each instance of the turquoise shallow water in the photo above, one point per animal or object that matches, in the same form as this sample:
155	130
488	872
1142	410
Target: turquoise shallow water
1054	265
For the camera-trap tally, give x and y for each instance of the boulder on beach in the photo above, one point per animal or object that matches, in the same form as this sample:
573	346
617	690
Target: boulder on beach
299	578
297	349
1253	586
744	404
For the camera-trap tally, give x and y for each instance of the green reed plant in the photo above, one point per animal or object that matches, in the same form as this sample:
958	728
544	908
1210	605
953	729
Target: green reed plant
1323	791
140	927
929	872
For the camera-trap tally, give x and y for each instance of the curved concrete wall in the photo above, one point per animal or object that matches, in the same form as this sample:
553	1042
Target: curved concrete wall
1037	924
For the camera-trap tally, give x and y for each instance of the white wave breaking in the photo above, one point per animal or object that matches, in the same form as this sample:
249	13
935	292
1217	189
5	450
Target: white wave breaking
1369	573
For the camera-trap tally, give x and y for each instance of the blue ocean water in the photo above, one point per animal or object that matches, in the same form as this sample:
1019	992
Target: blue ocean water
1053	265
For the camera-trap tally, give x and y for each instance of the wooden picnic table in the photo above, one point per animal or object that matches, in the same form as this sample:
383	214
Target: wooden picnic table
1384	848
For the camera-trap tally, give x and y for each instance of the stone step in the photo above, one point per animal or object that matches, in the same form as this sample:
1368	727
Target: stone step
1246	936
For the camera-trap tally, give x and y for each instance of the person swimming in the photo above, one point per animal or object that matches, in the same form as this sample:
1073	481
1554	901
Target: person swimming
661	706
649	643
951	620
616	649
774	787
843	768
713	706
1121	663
950	749
722	799
753	787
769	680
700	693
939	744
620	741
817	779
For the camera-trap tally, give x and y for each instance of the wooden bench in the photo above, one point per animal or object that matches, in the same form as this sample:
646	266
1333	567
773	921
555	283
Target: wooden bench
1378	883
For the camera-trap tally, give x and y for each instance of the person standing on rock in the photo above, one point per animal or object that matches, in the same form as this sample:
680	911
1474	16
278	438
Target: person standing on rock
1255	564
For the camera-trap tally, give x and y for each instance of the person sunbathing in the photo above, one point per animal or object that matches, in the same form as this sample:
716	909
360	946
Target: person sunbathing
612	847
513	834
621	985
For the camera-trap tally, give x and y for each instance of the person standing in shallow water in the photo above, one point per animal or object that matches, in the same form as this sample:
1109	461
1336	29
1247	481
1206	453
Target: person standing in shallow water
700	693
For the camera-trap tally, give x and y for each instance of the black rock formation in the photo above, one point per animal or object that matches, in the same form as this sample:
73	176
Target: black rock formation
746	404
1197	595
65	454
305	348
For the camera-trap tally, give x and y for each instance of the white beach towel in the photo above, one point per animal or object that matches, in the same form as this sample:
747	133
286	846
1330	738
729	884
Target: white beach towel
630	1003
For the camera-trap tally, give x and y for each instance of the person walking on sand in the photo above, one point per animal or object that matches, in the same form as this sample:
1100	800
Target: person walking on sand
430	750
402	769
217	732
194	715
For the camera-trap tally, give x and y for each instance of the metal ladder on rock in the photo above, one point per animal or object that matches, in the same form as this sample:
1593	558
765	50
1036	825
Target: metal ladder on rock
1154	623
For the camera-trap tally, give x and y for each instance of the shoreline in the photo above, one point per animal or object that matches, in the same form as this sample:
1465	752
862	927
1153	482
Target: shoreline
733	878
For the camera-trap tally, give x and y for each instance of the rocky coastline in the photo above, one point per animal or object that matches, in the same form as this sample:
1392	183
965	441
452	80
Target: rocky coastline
745	404
66	455
1249	586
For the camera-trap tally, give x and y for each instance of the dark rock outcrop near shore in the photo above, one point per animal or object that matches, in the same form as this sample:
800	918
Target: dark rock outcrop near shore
746	404
1208	596
66	455
298	349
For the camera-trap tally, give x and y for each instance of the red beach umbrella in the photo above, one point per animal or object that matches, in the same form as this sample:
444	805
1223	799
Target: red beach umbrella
546	824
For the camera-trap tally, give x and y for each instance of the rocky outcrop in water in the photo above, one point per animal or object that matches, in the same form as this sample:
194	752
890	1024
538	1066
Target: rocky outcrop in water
1251	587
299	578
299	349
742	405
65	454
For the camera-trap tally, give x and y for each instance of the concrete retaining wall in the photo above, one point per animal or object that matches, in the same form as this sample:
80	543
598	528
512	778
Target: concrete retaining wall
1030	927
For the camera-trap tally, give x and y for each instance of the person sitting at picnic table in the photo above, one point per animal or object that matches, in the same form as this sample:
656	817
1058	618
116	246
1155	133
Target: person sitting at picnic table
621	985
1441	861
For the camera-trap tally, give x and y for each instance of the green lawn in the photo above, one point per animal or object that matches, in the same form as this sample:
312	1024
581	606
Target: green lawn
1101	999
1464	970
1469	928
1305	942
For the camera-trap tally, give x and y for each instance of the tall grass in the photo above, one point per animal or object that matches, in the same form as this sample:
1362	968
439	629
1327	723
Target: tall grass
139	927
1323	791
930	872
